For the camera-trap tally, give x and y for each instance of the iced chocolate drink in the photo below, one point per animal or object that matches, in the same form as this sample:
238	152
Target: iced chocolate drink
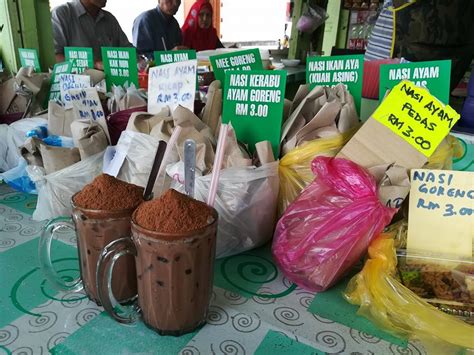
175	238
174	243
101	214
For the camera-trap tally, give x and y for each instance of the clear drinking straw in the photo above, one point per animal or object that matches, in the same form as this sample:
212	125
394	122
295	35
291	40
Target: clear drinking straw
217	165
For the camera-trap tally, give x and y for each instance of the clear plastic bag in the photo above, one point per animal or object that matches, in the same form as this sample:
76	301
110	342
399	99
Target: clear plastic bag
314	17
17	137
295	167
328	228
19	179
3	148
246	202
56	189
395	308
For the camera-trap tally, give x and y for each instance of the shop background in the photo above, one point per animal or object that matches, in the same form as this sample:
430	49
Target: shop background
241	20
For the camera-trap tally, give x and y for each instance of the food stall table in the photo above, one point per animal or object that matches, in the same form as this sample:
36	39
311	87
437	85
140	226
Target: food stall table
254	308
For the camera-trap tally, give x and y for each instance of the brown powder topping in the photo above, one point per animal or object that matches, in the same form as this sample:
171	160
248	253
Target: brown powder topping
173	212
110	194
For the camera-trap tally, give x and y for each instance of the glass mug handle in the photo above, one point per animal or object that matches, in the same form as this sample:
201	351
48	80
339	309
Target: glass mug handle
105	266
44	253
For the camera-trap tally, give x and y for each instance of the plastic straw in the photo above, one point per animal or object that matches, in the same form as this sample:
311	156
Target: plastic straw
217	165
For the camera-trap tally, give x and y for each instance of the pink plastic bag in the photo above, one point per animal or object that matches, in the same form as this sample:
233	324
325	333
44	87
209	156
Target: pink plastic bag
329	227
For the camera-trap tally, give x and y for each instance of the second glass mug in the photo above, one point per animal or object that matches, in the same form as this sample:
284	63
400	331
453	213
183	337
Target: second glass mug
94	230
174	276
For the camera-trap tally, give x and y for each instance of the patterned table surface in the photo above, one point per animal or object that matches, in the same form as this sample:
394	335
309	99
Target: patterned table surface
254	309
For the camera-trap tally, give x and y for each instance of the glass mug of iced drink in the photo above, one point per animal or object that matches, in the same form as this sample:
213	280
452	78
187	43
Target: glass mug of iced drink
174	243
101	214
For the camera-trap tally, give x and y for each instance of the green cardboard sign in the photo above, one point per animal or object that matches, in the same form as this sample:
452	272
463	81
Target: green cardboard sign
120	66
242	60
29	58
330	71
253	103
434	75
59	68
166	57
83	58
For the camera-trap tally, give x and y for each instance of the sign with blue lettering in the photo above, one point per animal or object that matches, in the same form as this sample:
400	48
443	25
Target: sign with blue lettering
441	212
87	104
72	81
171	85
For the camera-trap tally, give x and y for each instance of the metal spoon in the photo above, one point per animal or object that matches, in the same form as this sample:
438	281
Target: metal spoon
189	166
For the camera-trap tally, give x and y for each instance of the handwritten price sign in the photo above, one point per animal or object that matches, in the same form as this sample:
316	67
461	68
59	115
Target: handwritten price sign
416	116
441	212
171	85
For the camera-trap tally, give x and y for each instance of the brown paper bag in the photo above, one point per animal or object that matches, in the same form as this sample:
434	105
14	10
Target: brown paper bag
96	75
286	110
34	86
57	158
204	148
184	117
59	119
264	152
212	111
123	99
374	144
304	112
348	117
7	95
393	184
323	113
301	93
234	157
159	125
89	138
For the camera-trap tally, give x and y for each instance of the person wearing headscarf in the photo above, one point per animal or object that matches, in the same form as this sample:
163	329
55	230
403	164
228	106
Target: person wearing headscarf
198	31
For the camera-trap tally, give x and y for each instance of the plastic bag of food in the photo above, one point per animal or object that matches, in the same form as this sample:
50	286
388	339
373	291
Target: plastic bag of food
395	308
246	202
328	228
55	190
295	167
442	158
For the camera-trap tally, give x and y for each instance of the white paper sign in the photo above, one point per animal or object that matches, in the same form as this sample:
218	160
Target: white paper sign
113	161
172	85
86	103
72	81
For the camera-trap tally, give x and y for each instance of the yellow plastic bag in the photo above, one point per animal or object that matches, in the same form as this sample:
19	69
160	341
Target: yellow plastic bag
295	167
393	307
442	158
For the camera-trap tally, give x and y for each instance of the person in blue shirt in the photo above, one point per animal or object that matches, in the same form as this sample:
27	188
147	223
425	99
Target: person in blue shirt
157	29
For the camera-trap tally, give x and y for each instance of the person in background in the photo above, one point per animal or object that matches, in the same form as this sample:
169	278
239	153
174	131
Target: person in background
83	23
425	30
436	30
157	29
198	32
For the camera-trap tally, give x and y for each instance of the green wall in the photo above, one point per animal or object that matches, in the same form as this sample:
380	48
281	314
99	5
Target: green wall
26	24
